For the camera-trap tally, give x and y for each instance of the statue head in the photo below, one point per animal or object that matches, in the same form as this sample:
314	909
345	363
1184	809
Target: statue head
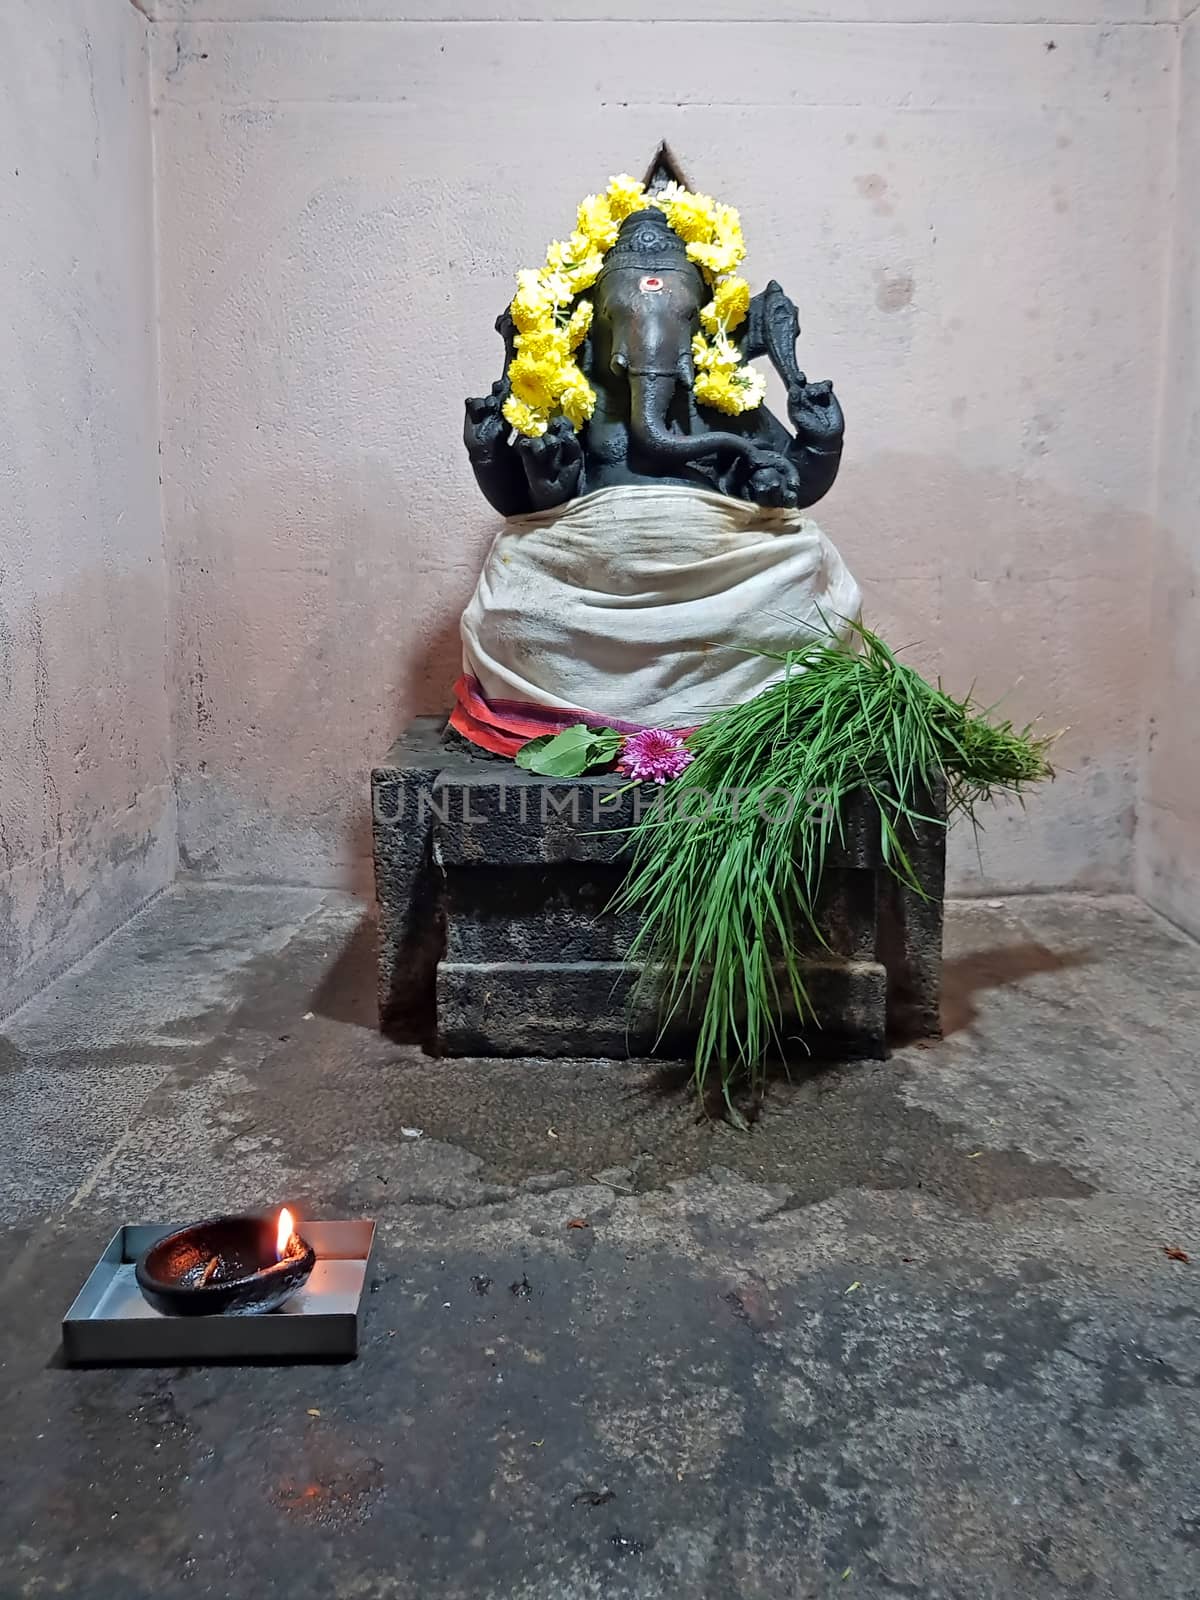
647	302
628	346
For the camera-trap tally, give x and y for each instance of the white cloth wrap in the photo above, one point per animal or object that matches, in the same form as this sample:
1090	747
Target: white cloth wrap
637	603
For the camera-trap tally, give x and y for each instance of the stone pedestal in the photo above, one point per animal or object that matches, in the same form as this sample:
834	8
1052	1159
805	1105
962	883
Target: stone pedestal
495	940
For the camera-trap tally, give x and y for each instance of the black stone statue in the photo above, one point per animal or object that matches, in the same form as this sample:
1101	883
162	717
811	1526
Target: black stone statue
647	427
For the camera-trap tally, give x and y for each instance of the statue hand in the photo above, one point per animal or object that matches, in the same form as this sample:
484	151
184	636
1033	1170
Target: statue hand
815	414
772	480
485	431
553	462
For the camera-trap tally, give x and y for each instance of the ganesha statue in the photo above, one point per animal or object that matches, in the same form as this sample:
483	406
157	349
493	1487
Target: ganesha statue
655	550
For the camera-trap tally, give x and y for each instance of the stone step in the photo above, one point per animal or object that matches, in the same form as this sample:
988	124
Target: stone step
560	911
495	938
593	1008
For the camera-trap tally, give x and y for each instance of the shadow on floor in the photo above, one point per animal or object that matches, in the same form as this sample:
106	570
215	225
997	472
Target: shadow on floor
347	992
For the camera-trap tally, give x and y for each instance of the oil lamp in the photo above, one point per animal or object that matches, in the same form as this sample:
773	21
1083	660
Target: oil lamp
226	1266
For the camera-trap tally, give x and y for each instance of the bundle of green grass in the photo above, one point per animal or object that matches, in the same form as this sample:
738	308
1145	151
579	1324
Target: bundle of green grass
724	891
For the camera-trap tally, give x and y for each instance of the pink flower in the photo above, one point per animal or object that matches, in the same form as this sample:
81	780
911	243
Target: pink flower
655	755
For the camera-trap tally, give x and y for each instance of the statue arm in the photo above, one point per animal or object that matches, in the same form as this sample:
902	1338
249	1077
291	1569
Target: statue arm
497	464
519	474
815	451
499	470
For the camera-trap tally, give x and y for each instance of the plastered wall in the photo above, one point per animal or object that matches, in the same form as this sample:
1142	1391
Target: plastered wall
1169	821
87	827
968	202
982	209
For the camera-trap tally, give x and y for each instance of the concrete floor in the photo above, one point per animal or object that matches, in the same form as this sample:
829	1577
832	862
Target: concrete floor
916	1335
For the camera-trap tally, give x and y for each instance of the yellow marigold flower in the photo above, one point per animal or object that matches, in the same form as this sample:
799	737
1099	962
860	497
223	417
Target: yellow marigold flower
565	255
587	271
581	320
524	418
525	314
719	354
558	257
559	287
545	343
596	221
529	282
714	389
727	247
531	305
731	392
625	194
691	215
533	381
727	224
577	401
728	306
716	259
727	230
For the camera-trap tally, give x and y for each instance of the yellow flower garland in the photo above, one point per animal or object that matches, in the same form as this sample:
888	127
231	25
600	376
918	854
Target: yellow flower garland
552	320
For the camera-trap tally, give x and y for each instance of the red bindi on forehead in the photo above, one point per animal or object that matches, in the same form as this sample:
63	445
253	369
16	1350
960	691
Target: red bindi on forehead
650	284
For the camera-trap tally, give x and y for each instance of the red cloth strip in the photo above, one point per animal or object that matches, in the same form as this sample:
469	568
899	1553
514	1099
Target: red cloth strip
503	726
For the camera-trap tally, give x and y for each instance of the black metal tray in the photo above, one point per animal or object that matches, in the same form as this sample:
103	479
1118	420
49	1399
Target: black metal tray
110	1323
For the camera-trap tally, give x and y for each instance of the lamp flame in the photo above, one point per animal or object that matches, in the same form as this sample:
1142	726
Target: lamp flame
287	1226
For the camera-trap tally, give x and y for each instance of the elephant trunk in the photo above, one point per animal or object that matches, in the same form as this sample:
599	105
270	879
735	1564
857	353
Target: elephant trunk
650	396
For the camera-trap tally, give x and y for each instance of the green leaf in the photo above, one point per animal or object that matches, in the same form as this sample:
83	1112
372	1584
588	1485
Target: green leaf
606	743
560	755
571	753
